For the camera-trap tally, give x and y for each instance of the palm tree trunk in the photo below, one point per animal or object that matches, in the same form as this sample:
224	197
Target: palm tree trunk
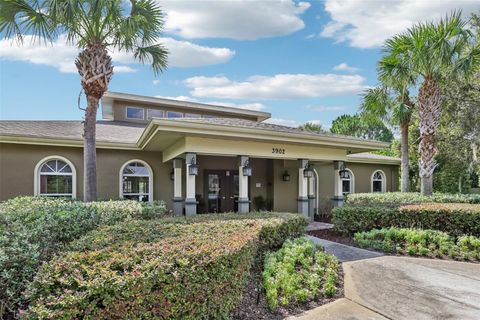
90	151
429	103
405	185
95	68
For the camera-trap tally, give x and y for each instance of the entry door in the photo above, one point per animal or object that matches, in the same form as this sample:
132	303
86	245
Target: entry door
221	190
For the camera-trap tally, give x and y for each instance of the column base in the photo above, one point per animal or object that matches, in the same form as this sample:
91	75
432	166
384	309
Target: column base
190	207
178	206
243	205
303	206
311	207
337	201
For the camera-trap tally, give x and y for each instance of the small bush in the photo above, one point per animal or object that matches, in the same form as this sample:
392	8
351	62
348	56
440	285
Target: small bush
33	229
399	198
418	242
172	268
299	272
455	219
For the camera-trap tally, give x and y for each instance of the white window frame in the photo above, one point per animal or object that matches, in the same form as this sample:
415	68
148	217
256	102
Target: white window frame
148	113
384	180
352	182
133	107
166	114
150	179
36	178
192	115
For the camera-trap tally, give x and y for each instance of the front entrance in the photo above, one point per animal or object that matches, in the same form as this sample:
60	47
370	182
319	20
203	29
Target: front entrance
221	188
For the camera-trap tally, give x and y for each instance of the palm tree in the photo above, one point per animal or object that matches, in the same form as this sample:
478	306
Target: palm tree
431	53
95	27
395	106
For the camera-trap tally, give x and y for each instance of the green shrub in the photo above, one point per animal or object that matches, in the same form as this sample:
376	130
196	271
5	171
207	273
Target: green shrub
455	219
299	272
399	198
172	268
33	229
418	242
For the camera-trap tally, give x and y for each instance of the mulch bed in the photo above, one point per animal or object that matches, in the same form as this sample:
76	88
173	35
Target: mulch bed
254	304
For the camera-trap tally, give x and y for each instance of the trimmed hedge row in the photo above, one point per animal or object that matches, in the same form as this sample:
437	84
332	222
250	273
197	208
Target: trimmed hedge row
417	242
33	229
453	218
174	268
399	198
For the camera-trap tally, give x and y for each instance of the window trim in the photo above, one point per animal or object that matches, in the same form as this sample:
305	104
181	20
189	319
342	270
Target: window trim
168	111
36	177
384	181
150	178
352	181
148	113
129	118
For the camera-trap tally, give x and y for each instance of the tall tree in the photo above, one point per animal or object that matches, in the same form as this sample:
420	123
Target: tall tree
432	52
366	128
96	27
312	127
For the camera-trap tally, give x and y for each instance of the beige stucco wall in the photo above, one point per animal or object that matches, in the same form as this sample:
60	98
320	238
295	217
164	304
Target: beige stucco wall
17	163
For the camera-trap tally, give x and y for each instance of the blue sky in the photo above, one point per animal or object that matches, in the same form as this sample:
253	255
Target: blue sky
301	61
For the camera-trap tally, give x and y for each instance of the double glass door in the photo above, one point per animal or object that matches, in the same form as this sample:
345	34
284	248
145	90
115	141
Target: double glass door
221	190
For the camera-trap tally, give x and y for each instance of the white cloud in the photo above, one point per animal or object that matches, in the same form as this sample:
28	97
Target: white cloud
234	19
123	69
280	86
326	108
284	122
367	23
345	67
61	55
181	98
156	82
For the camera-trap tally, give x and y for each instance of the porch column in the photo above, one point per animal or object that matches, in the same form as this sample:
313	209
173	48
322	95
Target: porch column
243	201
311	198
177	187
337	192
190	201
302	188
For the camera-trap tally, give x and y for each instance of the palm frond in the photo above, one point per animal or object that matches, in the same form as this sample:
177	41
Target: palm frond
156	55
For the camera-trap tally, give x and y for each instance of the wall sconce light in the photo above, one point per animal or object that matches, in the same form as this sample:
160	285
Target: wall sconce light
286	176
172	175
308	171
247	170
344	174
193	168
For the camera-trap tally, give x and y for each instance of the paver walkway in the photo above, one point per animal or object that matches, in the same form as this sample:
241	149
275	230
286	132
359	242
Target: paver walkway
401	288
343	252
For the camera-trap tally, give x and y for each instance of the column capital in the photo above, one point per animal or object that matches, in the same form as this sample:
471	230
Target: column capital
338	164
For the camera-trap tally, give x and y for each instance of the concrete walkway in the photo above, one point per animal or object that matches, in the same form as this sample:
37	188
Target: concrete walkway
315	225
343	252
403	288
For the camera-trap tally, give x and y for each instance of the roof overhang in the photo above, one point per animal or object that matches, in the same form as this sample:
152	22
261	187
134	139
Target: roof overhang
109	98
394	161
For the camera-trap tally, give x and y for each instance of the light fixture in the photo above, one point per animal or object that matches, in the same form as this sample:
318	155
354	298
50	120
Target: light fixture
308	171
286	176
172	175
344	174
247	170
193	168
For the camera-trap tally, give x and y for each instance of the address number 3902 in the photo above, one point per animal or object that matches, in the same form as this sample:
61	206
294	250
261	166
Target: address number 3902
278	150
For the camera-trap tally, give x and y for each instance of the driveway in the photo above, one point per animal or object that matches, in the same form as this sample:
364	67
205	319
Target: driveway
405	288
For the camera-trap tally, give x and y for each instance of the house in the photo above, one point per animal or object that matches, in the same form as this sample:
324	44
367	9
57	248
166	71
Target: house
196	157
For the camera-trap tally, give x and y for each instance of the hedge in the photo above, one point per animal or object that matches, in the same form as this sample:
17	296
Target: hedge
177	268
417	242
399	198
299	272
33	229
455	219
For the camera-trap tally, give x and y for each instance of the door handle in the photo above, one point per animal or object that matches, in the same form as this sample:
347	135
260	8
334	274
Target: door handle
223	198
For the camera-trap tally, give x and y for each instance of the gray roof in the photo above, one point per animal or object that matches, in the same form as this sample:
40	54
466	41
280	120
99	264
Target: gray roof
371	156
107	131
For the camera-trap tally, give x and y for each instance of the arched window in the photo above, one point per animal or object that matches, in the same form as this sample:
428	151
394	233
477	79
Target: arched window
379	181
55	176
136	181
348	183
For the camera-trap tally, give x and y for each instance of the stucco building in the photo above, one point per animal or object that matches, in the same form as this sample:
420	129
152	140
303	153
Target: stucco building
196	157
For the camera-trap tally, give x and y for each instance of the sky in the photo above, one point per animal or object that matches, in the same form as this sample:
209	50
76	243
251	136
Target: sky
302	61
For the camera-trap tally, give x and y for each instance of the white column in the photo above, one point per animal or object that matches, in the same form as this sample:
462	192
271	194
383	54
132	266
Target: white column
190	201
311	198
302	188
243	201
177	187
337	184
